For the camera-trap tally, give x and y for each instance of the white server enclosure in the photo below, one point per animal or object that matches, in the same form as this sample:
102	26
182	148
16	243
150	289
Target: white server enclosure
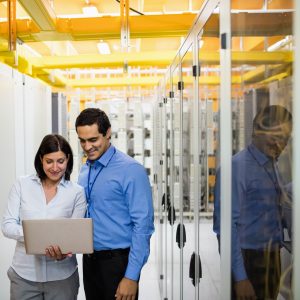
26	118
204	114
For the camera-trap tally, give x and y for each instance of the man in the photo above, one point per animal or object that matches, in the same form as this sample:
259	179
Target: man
119	202
256	207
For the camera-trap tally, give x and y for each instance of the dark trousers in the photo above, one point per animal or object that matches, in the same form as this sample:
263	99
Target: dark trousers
102	273
263	269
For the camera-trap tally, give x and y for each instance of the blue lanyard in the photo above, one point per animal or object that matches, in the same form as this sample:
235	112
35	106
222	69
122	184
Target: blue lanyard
90	186
89	190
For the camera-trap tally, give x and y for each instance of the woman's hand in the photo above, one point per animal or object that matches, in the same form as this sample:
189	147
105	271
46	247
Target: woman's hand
54	252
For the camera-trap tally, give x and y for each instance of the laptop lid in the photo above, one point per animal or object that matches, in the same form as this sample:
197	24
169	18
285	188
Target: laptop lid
71	235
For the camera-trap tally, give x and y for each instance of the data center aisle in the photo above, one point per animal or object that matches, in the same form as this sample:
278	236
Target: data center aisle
149	289
209	284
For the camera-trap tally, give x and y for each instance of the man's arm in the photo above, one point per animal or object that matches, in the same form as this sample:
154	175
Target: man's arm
139	198
243	287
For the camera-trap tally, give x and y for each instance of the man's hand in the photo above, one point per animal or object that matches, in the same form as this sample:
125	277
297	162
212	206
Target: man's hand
127	289
54	252
244	290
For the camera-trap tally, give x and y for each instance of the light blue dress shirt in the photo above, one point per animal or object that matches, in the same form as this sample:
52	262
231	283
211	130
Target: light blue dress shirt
120	203
27	201
256	218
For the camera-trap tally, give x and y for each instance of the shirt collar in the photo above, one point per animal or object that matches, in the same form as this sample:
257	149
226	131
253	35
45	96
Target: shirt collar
260	157
105	157
62	182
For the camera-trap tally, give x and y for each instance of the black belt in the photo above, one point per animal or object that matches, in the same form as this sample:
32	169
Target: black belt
102	254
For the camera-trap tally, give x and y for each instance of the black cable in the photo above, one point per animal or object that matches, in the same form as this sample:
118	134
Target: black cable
132	9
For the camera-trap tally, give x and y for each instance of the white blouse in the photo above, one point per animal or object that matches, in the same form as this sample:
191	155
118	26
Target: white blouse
27	201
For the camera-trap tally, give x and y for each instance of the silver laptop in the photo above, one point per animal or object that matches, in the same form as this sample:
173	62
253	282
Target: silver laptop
71	235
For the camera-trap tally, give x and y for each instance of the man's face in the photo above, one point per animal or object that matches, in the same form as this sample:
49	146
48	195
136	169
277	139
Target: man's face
93	143
273	142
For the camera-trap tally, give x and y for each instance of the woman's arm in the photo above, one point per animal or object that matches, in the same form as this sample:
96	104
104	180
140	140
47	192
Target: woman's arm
11	224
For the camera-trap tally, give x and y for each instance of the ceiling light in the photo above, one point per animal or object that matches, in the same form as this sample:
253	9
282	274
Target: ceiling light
90	10
103	48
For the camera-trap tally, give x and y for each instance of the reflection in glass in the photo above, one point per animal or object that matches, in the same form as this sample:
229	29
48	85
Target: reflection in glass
262	89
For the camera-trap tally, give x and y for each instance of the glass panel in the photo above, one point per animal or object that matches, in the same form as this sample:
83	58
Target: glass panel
176	275
166	194
170	217
208	97
157	186
187	171
262	91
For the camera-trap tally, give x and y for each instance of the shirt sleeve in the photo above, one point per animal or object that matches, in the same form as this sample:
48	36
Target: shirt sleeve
11	226
139	198
238	194
80	204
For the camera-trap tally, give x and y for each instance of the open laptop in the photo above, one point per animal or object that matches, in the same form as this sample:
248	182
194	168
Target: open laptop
71	235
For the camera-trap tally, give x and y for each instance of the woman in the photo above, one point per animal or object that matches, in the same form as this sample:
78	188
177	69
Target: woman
49	194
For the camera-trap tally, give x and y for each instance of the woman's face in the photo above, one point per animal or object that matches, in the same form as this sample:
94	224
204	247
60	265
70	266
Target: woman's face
54	165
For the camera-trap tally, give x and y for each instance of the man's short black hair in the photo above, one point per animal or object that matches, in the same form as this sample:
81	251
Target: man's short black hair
90	116
53	143
269	118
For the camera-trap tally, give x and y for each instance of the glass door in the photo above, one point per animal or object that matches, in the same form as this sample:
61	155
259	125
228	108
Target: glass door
187	232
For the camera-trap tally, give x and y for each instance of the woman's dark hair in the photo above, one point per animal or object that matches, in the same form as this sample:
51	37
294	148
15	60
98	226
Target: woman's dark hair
90	116
269	118
53	143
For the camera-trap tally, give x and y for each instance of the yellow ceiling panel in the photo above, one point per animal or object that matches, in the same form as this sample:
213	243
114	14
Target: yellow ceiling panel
281	4
152	44
108	27
61	48
154	5
68	7
123	81
253	43
41	12
167	5
113	7
154	37
98	60
85	47
259	4
197	4
74	7
21	13
3	10
40	48
152	59
210	44
246	4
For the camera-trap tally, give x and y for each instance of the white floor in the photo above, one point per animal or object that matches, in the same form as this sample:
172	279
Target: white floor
209	284
148	283
149	289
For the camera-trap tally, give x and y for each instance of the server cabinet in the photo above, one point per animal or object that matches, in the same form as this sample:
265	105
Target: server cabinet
209	149
157	185
186	86
59	114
